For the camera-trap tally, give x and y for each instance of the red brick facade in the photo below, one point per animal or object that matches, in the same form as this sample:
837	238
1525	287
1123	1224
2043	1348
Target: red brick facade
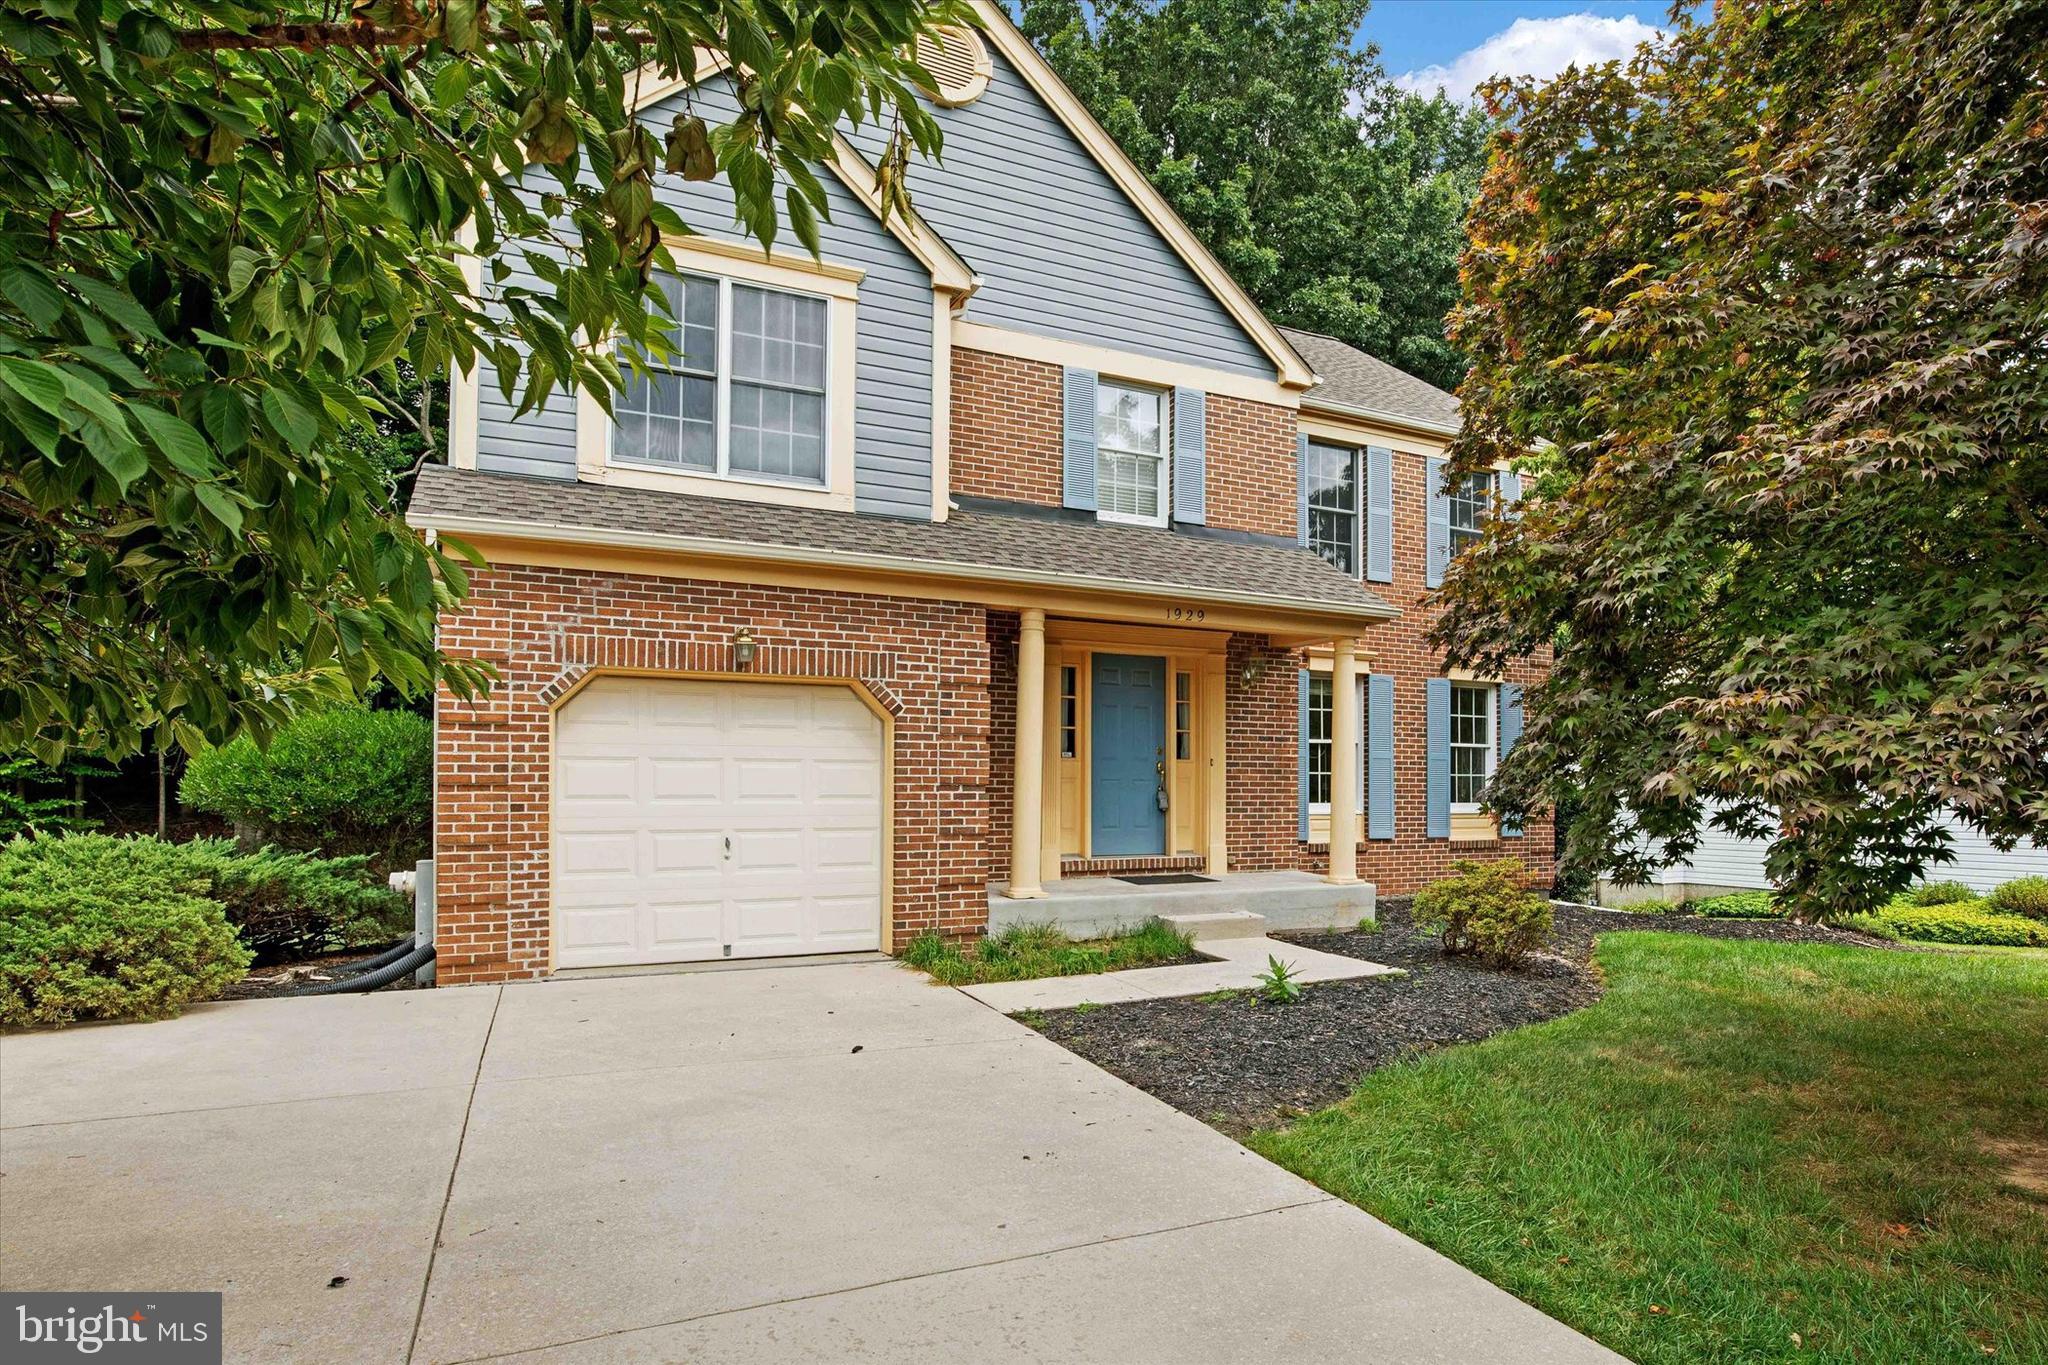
925	662
1411	860
1006	428
946	673
1006	444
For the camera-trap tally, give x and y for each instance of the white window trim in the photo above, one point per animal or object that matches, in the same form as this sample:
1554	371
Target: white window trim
1315	675
1358	501
1492	691
838	286
1451	528
1165	397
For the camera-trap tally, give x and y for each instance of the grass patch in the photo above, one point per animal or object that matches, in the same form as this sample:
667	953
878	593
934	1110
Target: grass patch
1024	952
1745	1151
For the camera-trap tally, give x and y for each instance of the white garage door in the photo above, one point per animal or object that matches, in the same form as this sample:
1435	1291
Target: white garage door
699	820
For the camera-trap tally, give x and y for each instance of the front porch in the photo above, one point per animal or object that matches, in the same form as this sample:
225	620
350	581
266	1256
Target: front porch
1123	751
1085	907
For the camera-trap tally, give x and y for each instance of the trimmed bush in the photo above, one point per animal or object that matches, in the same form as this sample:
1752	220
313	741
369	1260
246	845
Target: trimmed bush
1739	905
98	928
1965	923
1486	909
2026	896
1942	893
341	781
288	906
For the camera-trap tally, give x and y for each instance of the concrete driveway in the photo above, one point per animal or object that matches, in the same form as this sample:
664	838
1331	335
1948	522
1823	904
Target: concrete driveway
829	1163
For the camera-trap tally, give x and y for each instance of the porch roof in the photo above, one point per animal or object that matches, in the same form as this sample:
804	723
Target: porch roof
975	542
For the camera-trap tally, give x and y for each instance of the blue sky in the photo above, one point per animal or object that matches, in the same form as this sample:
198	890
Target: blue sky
1454	44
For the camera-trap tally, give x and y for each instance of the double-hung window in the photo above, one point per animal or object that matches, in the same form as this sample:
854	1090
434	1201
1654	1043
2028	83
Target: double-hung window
1471	504
1130	453
1319	743
1472	744
1332	477
742	393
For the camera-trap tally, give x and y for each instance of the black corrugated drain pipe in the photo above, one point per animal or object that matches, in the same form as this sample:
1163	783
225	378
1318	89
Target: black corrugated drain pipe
377	973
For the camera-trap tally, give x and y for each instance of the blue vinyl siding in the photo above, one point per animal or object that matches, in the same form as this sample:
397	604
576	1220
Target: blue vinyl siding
893	371
1061	250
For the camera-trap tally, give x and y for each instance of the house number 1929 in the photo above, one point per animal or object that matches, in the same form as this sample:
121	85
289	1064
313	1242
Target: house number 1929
1190	614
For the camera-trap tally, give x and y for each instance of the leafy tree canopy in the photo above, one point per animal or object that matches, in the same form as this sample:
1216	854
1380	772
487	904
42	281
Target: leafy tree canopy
223	225
1336	200
1777	295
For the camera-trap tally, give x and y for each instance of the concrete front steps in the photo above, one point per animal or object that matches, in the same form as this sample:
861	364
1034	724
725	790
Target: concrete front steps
1086	907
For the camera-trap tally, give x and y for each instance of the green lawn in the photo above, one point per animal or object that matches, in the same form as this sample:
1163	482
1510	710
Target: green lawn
1744	1152
1026	951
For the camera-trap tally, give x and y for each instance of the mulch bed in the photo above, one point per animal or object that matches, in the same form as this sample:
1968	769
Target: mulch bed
1241	1064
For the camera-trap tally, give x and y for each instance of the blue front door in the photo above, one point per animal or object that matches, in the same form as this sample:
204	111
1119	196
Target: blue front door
1127	747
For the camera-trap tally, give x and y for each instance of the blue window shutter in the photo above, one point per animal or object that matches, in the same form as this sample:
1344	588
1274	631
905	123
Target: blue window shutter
1379	514
1078	430
1439	526
1190	456
1510	489
1301	751
1358	748
1437	728
1301	490
1510	731
1379	734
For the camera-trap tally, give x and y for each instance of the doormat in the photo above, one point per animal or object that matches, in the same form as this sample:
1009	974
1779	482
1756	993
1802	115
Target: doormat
1165	879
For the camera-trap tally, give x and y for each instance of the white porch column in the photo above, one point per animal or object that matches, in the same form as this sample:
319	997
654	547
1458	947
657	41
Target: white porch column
1344	762
1027	787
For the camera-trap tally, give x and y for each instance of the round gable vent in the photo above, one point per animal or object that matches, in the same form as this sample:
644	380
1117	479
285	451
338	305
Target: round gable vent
959	63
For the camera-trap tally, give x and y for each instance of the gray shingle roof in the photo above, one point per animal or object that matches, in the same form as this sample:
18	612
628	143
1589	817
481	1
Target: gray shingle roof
984	543
1353	379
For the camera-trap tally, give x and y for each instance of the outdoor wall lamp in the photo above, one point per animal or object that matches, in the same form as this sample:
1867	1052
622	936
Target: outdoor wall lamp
743	647
1255	669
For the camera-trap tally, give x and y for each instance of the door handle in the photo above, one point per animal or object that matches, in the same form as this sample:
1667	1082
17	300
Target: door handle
728	846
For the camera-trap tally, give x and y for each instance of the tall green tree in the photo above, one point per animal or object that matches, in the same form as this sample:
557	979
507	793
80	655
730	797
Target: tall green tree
1776	295
1336	200
223	225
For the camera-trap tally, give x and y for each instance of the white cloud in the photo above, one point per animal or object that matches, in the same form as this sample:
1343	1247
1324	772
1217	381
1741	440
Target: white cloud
1533	47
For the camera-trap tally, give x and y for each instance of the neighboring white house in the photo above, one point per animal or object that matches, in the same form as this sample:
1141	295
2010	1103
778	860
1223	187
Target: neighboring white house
1723	862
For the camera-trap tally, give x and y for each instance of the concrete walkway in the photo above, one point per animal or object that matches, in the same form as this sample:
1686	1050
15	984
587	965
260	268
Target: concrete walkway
1238	966
837	1163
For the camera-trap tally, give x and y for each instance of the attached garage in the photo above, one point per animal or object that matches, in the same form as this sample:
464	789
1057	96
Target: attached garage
706	819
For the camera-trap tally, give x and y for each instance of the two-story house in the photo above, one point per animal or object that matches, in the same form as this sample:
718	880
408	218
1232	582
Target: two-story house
1007	545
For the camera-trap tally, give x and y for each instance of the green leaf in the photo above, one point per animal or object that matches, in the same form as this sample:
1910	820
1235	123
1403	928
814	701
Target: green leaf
451	85
289	418
186	449
217	500
34	294
226	415
116	306
39	383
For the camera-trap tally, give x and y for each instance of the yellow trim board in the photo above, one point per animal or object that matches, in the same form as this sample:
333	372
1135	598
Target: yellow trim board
1293	371
842	571
1132	365
1359	431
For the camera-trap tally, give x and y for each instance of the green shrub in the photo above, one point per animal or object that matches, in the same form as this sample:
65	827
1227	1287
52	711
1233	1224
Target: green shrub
288	906
1739	905
282	905
1942	893
93	927
1486	909
2026	896
1970	923
343	781
1873	925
